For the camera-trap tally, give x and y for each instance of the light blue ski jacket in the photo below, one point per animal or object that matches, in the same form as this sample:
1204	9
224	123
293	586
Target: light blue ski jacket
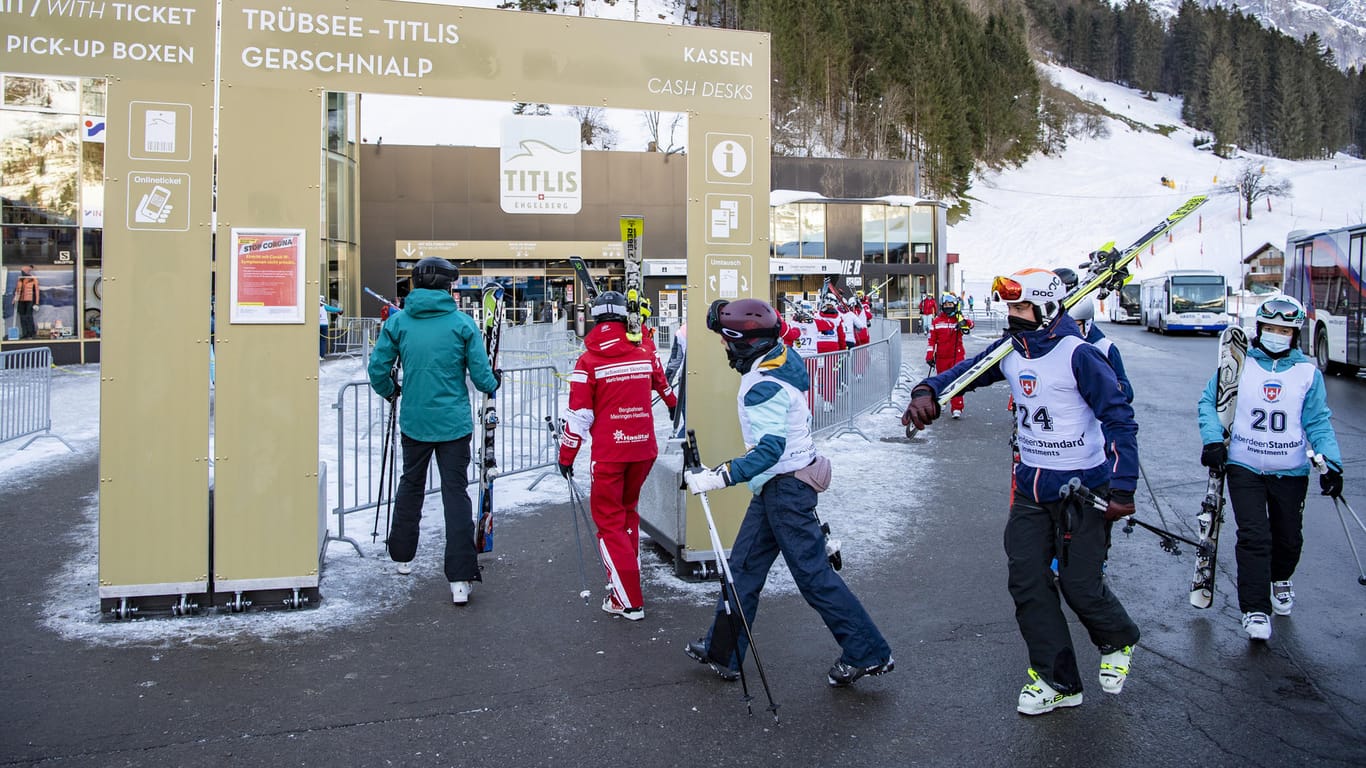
1315	417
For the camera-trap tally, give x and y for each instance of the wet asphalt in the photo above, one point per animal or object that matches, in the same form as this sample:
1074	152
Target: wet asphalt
527	676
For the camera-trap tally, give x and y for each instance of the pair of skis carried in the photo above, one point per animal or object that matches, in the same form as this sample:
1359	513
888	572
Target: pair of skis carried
632	237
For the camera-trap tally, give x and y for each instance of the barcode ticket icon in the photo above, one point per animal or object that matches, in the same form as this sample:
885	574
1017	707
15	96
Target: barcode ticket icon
160	134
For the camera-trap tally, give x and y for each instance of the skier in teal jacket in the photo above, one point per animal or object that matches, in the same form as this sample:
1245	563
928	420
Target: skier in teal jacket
435	344
1281	412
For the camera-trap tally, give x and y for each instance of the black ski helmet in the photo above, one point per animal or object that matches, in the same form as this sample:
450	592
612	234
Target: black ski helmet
609	306
750	328
1068	276
434	272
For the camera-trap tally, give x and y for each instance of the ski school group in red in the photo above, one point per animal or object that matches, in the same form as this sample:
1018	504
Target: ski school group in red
1075	472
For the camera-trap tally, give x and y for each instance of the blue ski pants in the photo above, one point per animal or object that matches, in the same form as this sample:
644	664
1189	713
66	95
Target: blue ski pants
781	518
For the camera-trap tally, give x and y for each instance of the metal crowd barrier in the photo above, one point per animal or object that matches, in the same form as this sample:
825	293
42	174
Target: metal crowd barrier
522	442
356	336
850	383
26	396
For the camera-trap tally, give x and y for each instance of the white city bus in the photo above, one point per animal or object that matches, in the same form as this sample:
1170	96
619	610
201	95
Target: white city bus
1124	307
1184	300
1323	271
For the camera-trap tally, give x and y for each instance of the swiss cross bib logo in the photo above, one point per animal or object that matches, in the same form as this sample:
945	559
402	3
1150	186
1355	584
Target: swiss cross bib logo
1271	391
1029	382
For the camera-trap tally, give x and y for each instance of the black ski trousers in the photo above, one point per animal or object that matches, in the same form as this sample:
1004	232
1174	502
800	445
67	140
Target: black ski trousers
1035	534
1269	510
453	463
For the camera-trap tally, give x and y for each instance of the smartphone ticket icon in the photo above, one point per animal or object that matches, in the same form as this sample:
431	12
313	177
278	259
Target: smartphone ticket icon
154	207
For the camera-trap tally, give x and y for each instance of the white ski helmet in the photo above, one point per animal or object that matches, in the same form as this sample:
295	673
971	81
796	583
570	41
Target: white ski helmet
1282	311
1039	287
1084	311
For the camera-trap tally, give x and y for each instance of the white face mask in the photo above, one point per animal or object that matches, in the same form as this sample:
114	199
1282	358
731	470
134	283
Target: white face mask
1275	343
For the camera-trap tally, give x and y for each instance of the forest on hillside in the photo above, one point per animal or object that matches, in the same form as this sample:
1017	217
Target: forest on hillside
948	83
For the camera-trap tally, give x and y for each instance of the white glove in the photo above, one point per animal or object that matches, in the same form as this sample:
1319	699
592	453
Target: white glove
702	480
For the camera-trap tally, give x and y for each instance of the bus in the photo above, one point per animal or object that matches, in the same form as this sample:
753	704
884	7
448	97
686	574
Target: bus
1124	306
1184	300
1323	271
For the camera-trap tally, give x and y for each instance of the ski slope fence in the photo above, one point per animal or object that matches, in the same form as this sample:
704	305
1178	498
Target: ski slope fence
26	396
528	401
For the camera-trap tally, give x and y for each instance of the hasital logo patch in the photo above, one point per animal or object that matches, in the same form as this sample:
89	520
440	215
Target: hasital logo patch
540	165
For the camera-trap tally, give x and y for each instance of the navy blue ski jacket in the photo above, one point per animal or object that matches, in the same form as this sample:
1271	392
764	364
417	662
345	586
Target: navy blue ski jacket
1098	387
1094	336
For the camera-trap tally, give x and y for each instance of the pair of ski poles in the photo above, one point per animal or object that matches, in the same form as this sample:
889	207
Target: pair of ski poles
730	598
1321	466
387	465
578	510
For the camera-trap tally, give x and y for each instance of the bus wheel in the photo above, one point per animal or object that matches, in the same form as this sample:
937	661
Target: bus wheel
1321	358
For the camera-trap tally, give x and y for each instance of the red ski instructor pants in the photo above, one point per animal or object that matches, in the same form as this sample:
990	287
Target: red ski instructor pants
613	498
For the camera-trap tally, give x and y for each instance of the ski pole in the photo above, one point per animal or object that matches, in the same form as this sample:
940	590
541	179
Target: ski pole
1169	539
1338	504
575	512
692	458
386	448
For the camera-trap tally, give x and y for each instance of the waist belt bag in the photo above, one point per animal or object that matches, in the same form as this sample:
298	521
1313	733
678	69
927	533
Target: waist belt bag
816	474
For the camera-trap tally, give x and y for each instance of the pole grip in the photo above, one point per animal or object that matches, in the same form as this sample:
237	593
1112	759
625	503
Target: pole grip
691	456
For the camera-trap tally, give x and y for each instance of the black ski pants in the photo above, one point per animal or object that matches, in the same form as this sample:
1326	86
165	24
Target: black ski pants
1269	510
1035	534
453	463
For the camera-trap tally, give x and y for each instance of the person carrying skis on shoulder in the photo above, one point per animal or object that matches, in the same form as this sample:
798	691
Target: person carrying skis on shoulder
1282	411
1065	395
610	393
1085	315
859	318
783	472
945	348
436	345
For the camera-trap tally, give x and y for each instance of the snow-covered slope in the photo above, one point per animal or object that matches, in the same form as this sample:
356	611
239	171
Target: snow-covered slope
1054	210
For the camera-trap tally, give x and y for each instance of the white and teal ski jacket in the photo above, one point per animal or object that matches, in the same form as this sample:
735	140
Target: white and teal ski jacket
1315	417
775	419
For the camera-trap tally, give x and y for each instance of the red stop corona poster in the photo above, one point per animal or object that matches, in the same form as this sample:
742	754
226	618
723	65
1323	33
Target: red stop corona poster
267	276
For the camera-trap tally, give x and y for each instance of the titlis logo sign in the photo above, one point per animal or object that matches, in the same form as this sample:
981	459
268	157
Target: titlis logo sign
540	165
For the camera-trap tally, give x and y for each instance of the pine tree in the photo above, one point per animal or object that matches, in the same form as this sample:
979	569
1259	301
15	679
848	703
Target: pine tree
1225	105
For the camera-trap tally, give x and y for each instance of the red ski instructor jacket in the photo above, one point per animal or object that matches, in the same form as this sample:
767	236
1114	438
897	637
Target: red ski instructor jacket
609	398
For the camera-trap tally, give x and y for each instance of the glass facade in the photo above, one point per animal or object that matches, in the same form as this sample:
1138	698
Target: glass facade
339	263
51	204
797	231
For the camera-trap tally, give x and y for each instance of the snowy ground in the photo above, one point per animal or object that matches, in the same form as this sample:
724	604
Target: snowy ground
355	588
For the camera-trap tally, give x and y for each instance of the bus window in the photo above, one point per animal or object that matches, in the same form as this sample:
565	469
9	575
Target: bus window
1198	293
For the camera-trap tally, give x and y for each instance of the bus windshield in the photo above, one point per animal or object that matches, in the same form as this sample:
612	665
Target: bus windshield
1198	294
1128	298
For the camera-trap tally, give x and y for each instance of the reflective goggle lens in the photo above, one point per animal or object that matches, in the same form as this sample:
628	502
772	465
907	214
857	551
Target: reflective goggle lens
1279	308
1005	289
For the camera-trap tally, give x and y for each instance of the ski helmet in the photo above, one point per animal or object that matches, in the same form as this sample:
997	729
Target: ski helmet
434	272
1083	312
1039	287
1283	312
829	306
949	304
749	327
1068	277
609	306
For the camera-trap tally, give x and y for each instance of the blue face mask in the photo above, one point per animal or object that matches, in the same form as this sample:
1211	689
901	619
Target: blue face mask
1275	344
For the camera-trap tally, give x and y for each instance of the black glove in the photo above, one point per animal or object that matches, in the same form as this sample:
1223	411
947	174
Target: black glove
922	409
1330	482
567	470
1121	505
673	413
394	396
498	377
1214	456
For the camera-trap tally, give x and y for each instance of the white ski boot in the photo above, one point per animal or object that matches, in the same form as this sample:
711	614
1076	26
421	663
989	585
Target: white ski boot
1282	597
1257	625
1038	697
460	592
1114	669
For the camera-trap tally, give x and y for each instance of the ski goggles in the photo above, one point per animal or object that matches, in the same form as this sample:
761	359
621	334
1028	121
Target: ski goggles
1281	309
1006	289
